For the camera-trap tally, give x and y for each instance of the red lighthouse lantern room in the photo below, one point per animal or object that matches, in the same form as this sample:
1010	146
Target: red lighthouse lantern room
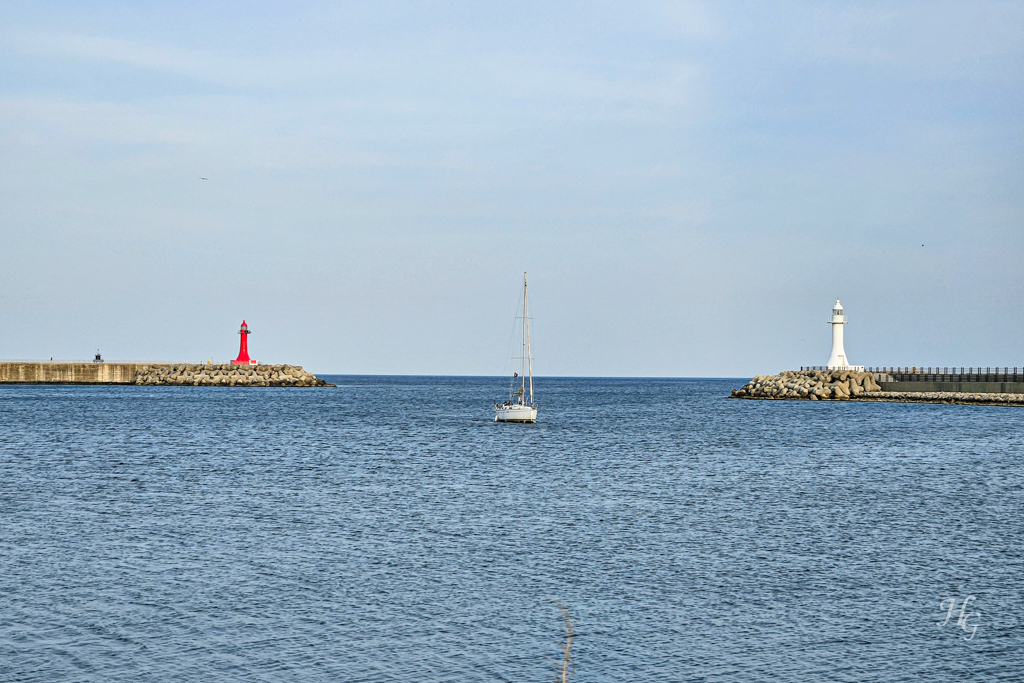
243	348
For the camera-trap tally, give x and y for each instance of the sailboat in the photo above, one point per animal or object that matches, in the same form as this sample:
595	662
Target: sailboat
520	406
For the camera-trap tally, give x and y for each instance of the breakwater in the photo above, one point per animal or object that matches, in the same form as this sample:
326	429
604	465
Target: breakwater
982	380
227	376
985	398
918	386
845	385
158	374
945	380
814	385
60	372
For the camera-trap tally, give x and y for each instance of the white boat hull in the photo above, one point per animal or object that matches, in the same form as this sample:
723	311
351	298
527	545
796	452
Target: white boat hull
515	413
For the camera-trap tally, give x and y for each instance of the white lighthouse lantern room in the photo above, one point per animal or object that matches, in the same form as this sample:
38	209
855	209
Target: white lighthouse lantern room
837	359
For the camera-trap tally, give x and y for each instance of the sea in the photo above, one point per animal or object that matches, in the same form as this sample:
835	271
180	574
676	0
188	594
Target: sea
389	530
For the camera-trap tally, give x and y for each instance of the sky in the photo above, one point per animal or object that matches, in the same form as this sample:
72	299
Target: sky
689	185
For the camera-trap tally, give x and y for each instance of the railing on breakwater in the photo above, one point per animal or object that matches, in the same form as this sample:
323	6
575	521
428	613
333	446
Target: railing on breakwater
943	374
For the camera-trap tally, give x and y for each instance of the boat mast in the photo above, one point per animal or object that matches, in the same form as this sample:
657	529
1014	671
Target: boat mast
526	326
522	357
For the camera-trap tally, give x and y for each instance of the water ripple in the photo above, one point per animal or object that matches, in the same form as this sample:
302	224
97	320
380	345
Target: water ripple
387	530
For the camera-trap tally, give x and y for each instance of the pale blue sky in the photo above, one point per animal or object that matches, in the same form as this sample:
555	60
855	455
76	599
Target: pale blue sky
690	185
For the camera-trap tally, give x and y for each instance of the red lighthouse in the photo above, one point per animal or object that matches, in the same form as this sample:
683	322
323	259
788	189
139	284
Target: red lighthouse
243	347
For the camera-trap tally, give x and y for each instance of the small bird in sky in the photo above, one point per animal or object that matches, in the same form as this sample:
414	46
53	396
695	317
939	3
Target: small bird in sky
206	179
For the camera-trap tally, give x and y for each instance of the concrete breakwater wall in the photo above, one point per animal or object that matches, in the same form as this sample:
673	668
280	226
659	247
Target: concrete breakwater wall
158	374
42	372
958	387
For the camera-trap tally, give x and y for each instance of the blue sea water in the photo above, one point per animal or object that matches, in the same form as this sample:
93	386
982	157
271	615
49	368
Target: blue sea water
389	530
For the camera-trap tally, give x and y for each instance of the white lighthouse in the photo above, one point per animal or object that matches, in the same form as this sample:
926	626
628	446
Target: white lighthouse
837	359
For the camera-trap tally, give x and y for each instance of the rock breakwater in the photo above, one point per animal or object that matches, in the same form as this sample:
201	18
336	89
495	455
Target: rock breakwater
845	385
190	374
813	385
945	397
